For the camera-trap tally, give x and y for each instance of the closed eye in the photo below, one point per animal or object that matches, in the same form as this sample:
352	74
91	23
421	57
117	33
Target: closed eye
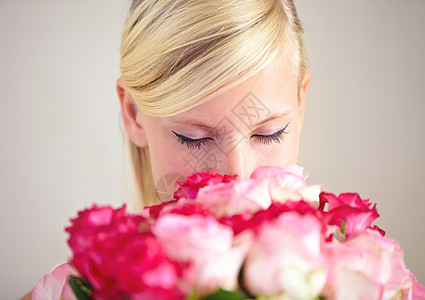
192	143
276	137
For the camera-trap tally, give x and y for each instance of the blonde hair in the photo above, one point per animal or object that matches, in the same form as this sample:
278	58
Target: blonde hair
177	54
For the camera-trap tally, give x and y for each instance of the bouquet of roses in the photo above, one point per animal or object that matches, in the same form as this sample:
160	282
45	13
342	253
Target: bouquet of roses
270	236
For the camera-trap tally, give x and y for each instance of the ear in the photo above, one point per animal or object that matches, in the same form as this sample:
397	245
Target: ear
301	97
131	117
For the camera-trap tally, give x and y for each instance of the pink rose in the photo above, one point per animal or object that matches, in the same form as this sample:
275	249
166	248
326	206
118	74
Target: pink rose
308	193
418	290
116	253
367	265
247	221
286	259
350	210
288	184
183	206
155	210
55	286
91	223
264	172
208	246
195	181
235	197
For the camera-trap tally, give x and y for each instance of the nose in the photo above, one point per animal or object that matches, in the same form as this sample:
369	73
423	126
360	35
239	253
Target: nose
238	161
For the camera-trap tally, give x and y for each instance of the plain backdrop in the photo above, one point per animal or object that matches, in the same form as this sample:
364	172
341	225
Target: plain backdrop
59	113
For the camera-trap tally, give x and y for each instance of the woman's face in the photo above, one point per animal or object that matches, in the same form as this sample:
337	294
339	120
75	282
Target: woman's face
255	123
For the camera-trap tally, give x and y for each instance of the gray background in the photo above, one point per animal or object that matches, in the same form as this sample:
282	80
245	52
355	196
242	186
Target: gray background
61	146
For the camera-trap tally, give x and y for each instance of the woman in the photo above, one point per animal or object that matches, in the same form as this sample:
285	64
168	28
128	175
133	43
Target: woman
210	85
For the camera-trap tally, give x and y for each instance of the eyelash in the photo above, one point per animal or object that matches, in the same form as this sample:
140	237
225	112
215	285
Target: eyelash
276	137
191	143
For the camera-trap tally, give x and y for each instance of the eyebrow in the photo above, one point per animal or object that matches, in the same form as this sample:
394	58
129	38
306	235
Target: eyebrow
197	123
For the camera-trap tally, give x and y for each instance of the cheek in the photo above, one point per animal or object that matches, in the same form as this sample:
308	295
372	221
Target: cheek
284	154
164	159
293	149
166	171
170	162
293	144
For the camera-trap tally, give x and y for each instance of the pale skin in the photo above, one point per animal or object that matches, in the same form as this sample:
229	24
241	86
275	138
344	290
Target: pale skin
243	146
276	87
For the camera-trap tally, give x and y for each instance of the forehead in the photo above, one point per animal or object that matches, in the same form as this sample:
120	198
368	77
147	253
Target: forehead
274	90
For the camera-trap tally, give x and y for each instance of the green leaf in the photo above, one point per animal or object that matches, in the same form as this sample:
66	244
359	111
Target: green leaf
226	295
343	226
193	296
81	288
